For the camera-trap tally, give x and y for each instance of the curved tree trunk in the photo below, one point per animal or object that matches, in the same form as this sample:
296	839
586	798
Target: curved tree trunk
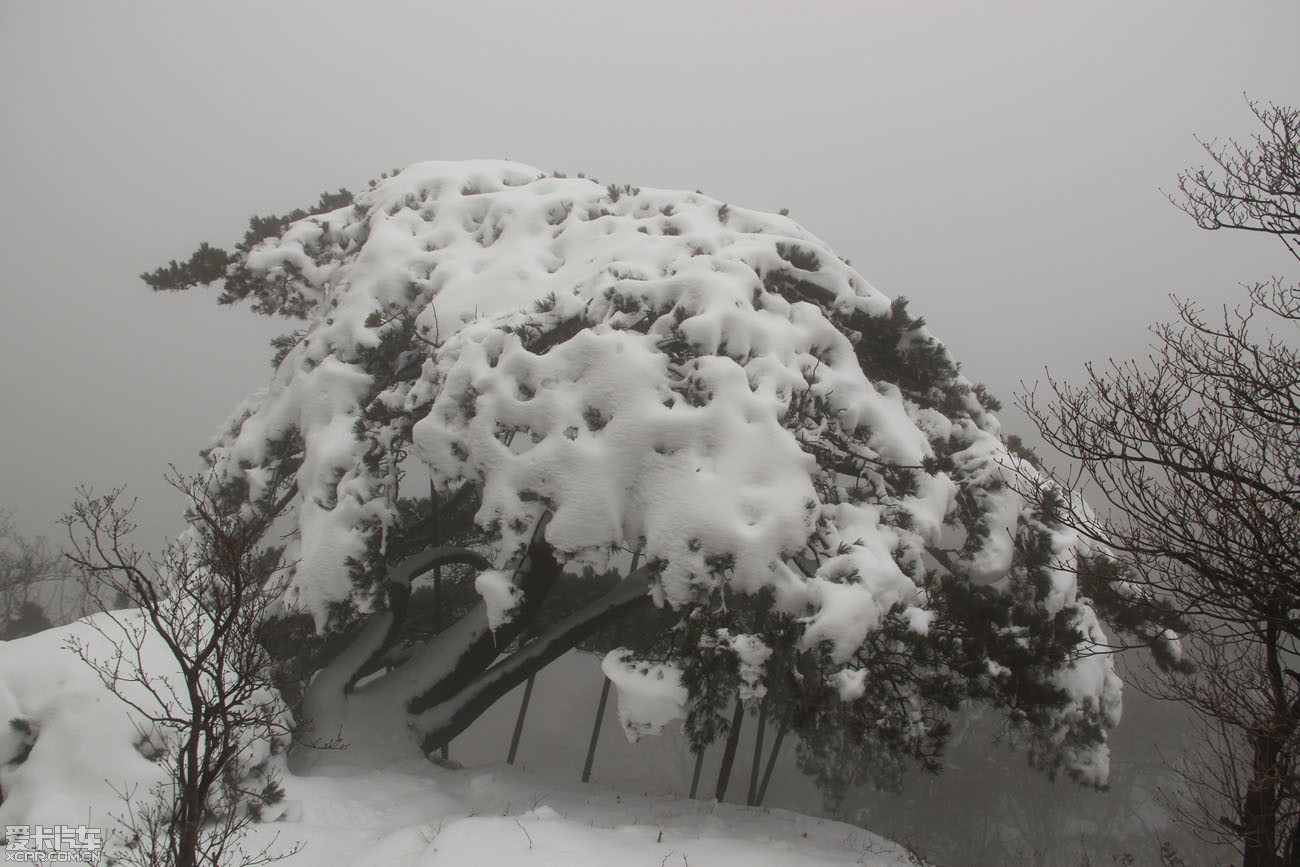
422	704
441	723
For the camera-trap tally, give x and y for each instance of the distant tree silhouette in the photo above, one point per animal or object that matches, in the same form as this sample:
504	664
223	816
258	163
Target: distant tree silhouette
32	582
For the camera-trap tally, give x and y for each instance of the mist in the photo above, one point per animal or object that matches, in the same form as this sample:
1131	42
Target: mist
1003	165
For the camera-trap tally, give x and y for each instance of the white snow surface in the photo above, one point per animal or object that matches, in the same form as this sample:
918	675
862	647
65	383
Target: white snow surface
411	815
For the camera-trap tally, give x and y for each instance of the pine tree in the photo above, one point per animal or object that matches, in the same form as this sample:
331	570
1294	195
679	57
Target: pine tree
649	407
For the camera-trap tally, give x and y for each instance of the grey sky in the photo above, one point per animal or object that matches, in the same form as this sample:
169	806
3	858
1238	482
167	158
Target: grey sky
999	163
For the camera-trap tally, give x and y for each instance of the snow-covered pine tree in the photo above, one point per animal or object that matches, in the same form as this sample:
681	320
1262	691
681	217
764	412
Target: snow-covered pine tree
618	402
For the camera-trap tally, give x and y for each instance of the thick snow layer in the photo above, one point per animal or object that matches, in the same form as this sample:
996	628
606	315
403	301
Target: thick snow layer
689	460
404	816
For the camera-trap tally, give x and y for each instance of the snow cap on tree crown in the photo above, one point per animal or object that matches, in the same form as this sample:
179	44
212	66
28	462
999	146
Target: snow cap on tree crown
651	370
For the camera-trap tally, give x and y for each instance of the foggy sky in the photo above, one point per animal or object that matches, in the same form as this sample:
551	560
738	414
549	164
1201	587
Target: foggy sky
1001	164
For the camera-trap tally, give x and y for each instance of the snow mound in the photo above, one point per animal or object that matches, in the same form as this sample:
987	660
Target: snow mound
500	817
86	751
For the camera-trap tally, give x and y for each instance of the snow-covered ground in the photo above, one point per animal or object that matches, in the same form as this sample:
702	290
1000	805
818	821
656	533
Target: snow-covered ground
496	815
85	752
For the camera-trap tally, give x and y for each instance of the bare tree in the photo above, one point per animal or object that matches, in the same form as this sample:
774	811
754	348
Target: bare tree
204	600
1253	187
1196	451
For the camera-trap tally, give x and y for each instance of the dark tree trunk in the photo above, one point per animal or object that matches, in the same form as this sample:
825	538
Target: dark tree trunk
1260	804
695	774
481	692
757	764
595	731
729	751
519	720
441	688
771	764
445	750
539	576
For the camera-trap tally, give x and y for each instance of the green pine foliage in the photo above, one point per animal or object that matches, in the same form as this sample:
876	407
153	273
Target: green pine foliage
209	265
